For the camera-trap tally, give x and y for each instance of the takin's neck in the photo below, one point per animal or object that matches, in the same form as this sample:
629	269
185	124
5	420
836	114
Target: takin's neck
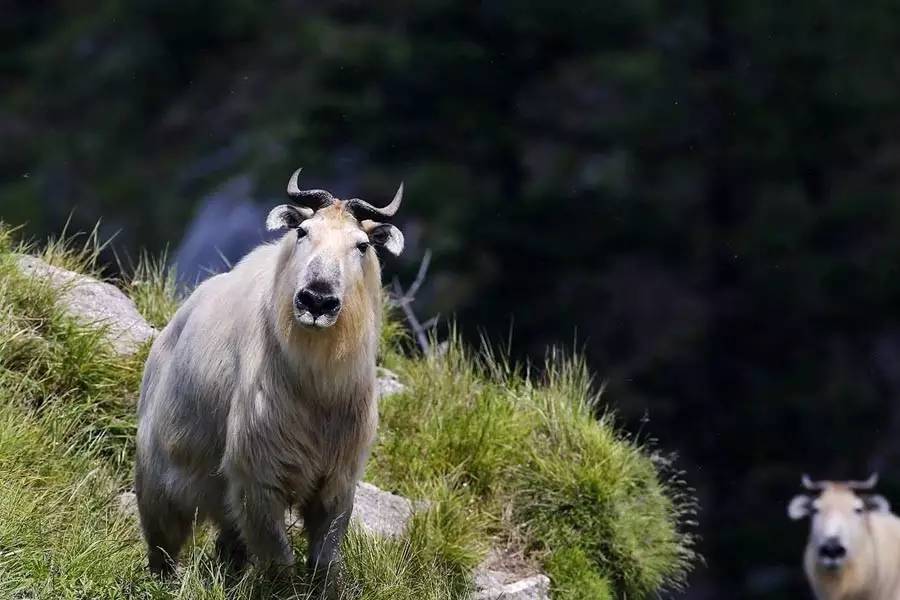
338	360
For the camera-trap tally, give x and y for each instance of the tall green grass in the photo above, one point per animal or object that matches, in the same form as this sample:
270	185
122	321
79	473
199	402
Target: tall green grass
62	537
153	287
506	459
537	469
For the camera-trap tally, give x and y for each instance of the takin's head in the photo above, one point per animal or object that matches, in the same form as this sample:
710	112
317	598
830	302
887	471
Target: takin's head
335	249
840	518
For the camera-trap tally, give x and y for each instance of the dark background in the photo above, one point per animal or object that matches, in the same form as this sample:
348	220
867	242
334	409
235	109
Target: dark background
703	194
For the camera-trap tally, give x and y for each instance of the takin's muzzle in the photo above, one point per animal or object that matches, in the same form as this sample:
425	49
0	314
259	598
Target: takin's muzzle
316	305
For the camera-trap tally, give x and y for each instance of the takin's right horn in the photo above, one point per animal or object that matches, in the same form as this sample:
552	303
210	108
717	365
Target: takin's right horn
813	486
314	199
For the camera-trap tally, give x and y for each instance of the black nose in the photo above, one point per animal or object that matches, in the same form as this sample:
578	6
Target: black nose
833	549
317	301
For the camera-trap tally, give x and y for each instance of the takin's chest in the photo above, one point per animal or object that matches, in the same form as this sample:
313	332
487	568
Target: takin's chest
848	584
301	449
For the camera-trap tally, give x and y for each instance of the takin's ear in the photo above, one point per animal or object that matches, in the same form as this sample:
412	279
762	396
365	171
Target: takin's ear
876	503
287	216
384	235
799	507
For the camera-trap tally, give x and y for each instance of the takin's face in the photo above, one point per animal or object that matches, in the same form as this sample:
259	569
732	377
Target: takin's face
333	251
840	523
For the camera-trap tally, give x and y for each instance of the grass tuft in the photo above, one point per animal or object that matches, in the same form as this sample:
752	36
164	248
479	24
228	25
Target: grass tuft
78	252
153	287
536	468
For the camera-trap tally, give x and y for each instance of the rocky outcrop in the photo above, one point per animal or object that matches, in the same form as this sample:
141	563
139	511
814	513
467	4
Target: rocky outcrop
376	511
387	383
381	512
507	575
490	586
94	302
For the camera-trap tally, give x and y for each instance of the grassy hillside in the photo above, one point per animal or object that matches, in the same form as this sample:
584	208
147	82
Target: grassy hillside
508	461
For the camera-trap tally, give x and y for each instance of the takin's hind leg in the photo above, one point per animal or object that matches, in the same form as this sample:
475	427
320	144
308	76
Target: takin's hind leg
166	527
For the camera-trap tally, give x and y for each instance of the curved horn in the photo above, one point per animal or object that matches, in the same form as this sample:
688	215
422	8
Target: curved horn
363	210
868	484
813	486
314	199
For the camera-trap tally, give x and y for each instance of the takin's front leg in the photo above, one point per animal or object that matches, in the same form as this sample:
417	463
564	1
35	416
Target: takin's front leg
259	514
325	521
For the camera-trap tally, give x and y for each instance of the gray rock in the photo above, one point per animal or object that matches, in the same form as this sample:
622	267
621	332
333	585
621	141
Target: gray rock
509	577
375	511
387	384
126	503
489	586
94	302
381	512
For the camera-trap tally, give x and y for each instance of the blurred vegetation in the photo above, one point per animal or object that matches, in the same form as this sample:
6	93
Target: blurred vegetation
705	191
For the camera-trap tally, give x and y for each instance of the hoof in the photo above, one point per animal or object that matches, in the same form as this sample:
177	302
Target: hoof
327	582
162	566
231	552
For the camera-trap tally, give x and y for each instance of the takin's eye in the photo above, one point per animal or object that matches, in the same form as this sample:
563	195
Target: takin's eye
362	247
301	233
859	510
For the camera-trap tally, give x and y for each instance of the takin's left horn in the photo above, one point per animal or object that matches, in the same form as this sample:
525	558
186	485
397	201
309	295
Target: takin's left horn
868	484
